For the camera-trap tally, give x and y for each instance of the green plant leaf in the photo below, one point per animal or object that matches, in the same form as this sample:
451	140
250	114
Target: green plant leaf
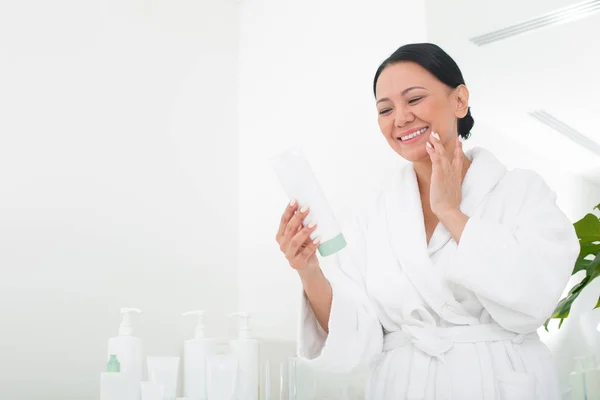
593	270
588	239
588	249
588	232
562	310
588	225
563	307
581	265
577	288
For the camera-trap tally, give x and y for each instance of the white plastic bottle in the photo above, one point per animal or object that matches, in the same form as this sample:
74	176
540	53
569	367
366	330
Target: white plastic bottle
196	352
112	382
246	351
296	176
128	350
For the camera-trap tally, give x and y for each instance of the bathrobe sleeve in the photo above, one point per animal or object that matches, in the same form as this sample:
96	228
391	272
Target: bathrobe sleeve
355	333
518	269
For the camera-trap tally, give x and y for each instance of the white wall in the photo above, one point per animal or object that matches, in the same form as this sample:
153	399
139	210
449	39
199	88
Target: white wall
306	78
576	195
118	181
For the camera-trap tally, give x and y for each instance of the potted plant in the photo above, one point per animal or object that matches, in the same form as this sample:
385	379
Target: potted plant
588	232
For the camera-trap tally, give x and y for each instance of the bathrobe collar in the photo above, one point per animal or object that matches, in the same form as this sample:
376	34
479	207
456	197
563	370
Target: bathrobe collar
406	230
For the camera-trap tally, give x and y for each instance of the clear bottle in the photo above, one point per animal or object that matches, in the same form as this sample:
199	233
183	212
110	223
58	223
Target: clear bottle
592	384
196	352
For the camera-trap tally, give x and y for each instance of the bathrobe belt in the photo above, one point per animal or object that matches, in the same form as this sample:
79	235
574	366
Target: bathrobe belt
431	341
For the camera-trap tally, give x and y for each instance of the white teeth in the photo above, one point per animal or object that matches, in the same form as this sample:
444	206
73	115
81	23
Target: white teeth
414	134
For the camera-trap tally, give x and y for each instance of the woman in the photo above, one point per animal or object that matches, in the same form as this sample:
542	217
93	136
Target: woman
450	270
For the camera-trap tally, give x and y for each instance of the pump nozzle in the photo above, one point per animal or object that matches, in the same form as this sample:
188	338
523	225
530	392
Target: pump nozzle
199	333
126	328
244	327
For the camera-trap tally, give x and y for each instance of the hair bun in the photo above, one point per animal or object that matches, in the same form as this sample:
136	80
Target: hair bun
465	124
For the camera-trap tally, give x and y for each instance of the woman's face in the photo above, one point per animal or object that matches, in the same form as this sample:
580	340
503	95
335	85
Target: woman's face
411	103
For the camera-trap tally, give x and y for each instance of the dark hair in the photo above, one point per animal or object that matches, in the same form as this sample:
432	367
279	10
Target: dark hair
440	64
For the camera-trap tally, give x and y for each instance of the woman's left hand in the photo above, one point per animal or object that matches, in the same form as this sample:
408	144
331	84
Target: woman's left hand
446	176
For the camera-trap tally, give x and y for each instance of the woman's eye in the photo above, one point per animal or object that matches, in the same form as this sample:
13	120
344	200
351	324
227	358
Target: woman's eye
384	111
414	100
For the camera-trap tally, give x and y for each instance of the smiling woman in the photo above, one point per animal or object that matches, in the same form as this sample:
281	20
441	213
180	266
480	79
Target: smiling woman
450	270
419	90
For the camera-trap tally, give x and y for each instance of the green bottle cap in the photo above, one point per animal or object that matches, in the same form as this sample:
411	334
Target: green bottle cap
113	364
332	246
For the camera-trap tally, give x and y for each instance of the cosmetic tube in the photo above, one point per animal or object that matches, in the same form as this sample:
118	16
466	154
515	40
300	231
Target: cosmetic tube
296	176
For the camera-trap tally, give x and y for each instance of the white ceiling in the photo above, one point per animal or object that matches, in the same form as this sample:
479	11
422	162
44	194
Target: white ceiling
553	69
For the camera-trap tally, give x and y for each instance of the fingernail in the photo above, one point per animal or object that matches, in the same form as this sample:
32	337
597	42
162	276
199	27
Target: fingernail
304	209
435	135
317	240
312	225
429	145
293	203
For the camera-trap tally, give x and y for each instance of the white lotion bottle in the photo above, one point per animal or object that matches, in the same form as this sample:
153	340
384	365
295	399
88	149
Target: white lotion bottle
128	350
297	178
196	352
246	350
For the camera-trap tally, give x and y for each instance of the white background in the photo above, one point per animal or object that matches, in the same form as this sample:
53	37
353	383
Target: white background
118	182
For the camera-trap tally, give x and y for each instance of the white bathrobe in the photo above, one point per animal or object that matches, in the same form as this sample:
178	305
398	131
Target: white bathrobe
441	320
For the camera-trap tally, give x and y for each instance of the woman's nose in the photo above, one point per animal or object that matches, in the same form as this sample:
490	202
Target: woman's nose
403	117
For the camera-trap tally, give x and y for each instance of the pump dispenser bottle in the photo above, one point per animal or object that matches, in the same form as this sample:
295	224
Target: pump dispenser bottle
128	350
246	351
196	352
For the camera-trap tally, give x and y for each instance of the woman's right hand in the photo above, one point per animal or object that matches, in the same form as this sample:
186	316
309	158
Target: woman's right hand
294	239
